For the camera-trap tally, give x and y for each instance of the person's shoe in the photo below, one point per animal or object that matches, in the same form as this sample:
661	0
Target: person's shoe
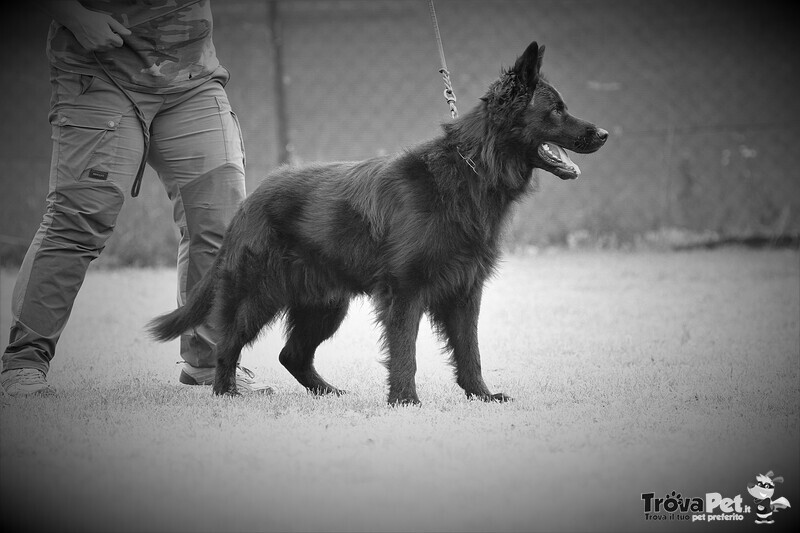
25	382
245	378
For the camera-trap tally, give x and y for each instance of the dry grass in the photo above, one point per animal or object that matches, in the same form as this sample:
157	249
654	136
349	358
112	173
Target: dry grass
631	372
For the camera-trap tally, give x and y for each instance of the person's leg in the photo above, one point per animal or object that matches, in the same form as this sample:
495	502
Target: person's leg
197	150
97	144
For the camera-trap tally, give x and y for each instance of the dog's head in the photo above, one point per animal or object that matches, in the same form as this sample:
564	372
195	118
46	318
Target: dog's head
534	113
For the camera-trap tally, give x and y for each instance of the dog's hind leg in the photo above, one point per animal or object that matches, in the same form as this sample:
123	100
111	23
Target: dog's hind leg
240	322
400	318
307	328
228	352
456	321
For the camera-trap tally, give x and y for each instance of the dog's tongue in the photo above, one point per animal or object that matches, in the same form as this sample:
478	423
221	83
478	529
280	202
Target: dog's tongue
559	153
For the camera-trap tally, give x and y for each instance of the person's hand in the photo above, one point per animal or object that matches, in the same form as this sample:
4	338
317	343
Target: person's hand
97	32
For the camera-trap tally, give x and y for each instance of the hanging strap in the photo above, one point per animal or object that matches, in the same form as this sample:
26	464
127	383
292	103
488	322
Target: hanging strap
137	181
449	95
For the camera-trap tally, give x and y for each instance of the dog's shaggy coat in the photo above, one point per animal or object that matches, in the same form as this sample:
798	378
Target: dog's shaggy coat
419	232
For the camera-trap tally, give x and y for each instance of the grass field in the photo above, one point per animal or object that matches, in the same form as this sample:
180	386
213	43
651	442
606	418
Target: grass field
632	373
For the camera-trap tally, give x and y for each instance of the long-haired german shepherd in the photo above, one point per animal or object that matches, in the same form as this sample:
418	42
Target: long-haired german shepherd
418	232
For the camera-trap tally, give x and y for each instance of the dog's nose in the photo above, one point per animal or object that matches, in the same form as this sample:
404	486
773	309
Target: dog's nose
602	134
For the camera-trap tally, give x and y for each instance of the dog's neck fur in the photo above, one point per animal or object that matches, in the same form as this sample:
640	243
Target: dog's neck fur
501	162
481	196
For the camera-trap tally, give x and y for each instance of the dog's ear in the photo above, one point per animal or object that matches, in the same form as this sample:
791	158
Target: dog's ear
528	65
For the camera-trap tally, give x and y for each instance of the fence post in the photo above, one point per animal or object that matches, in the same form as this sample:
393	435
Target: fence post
281	121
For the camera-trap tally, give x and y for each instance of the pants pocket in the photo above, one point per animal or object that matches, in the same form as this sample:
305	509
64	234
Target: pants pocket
87	143
232	132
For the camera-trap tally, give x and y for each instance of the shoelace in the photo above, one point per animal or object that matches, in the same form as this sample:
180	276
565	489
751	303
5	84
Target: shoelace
250	373
30	377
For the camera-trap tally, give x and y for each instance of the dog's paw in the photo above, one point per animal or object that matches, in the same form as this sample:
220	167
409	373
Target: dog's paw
499	397
232	393
397	402
324	391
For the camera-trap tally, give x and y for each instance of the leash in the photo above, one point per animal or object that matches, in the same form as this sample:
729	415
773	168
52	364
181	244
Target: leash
449	95
137	181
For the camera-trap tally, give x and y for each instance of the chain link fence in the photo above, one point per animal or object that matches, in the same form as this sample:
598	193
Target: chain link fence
698	98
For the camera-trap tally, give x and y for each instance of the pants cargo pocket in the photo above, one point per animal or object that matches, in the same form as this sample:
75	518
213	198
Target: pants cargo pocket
87	144
232	132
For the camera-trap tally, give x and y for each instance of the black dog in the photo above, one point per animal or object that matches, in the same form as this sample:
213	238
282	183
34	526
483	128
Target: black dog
418	232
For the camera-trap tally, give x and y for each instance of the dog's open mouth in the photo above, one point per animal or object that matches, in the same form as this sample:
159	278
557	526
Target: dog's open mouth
563	166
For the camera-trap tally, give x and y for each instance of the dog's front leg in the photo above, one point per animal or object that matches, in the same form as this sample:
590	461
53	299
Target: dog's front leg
400	317
456	321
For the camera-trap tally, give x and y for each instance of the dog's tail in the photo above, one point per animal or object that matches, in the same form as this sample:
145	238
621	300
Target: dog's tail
193	313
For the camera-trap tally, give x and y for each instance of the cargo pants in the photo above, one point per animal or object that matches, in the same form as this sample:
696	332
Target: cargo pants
197	150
